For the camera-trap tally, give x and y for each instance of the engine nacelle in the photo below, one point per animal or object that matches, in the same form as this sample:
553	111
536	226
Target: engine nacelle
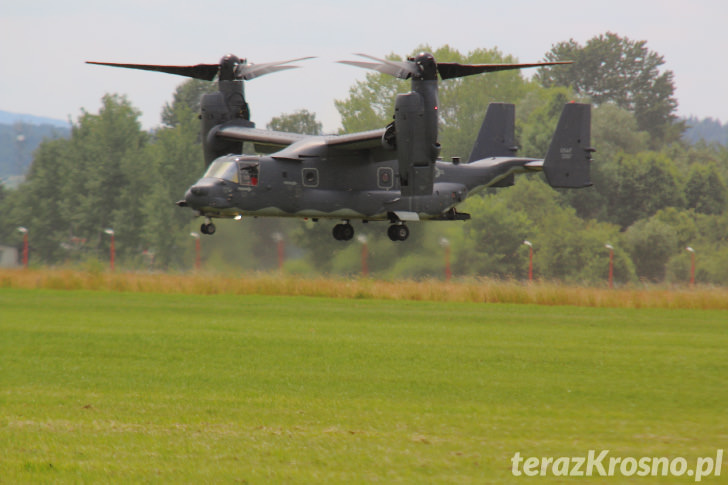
217	109
416	153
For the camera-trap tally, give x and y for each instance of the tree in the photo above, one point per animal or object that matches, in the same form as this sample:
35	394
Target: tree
300	121
3	199
569	248
643	184
494	239
575	251
615	129
173	163
651	243
189	94
705	189
74	189
683	222
538	115
566	247
712	229
38	203
105	150
614	69
710	268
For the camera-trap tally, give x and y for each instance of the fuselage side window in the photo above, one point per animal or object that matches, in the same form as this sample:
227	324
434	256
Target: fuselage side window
249	174
385	176
310	177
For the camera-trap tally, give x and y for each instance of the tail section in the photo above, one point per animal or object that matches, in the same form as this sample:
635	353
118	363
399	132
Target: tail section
497	133
568	160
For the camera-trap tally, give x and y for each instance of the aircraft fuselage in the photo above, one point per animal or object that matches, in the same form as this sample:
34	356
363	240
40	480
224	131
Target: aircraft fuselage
345	187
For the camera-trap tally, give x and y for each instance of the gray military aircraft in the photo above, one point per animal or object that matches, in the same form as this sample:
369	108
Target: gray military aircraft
391	174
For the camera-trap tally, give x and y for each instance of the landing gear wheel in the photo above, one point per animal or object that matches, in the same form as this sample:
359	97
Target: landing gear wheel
207	228
343	232
398	232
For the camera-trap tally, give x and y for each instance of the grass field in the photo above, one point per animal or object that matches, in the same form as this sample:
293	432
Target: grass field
146	388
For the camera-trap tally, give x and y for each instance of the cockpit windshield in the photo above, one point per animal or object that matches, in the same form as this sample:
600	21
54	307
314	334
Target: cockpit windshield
223	169
239	171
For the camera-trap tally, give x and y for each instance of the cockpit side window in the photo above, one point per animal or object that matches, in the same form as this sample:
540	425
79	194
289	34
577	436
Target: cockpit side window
248	174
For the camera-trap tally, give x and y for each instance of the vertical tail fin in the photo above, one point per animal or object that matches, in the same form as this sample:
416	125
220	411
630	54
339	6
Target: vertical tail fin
496	137
568	160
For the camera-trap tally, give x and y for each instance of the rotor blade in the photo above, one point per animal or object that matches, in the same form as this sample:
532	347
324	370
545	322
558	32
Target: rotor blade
206	72
449	70
402	70
406	66
251	71
383	68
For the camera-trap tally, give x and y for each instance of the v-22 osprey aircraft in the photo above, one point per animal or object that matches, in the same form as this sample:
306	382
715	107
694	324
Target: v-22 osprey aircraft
391	174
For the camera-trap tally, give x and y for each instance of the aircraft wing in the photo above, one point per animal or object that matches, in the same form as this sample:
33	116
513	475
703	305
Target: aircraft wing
356	141
269	141
265	140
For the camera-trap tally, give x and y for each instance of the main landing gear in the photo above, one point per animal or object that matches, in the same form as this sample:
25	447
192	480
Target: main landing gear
207	227
398	232
343	232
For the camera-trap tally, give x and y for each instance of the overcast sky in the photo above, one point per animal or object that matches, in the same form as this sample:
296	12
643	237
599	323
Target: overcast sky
44	43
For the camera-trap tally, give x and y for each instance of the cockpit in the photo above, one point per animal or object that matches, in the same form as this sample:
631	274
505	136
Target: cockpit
242	171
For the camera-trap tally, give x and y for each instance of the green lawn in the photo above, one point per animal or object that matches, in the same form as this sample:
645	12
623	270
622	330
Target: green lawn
146	388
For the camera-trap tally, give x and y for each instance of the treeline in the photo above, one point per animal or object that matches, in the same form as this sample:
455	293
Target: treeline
653	194
108	174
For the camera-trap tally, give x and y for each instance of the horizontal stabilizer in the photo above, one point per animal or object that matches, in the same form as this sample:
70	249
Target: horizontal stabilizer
567	163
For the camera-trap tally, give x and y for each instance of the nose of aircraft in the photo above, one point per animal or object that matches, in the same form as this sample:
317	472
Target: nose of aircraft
200	190
205	193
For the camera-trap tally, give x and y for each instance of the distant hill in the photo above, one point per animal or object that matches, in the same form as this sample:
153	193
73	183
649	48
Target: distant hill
707	129
8	118
20	135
